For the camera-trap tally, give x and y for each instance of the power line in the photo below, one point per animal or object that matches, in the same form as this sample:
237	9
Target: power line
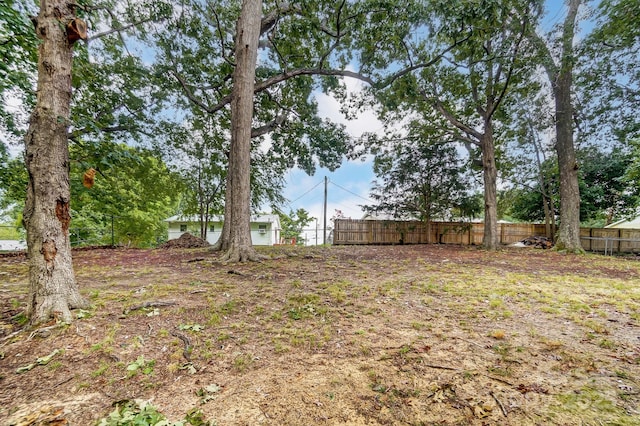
314	187
352	193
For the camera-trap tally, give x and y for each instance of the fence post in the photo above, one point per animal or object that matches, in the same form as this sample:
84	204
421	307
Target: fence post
113	239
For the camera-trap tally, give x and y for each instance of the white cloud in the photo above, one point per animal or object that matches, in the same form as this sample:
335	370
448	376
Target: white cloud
348	187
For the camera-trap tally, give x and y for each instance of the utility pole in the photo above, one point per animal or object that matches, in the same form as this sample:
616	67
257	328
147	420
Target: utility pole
324	234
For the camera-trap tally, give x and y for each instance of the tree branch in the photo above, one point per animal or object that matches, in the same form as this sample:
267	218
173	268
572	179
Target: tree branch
269	127
450	117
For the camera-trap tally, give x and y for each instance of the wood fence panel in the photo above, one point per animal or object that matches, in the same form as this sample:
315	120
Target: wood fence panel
630	246
354	231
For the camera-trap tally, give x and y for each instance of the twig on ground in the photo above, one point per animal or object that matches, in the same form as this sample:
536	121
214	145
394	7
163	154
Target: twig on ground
149	305
187	345
441	367
470	342
263	412
63	381
10	336
498	379
41	331
504	410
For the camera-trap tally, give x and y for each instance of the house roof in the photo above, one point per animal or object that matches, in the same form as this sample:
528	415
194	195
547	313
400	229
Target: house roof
265	218
633	223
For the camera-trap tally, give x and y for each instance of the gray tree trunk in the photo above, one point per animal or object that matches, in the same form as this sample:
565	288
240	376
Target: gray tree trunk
490	177
238	206
569	230
53	290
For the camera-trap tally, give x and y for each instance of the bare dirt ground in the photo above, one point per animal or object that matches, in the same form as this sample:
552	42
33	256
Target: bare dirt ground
409	335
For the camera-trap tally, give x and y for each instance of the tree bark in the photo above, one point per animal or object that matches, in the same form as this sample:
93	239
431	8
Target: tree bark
490	177
238	205
569	231
53	290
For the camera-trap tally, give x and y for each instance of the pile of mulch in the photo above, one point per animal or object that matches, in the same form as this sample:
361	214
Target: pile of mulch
186	240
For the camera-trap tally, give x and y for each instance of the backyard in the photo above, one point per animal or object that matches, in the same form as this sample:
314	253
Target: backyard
354	335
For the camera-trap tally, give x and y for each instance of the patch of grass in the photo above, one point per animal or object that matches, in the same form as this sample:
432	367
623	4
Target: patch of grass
496	303
607	344
54	365
106	344
21	319
590	405
303	306
595	326
102	369
243	361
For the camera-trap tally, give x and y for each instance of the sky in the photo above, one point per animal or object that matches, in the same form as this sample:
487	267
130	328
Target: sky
348	186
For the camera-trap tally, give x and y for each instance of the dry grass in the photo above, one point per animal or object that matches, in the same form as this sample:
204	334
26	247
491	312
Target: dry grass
341	335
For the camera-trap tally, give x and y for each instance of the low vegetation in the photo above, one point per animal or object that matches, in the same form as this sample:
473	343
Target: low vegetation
336	335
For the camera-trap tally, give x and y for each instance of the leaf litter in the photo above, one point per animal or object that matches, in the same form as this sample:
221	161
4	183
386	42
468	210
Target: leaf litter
343	335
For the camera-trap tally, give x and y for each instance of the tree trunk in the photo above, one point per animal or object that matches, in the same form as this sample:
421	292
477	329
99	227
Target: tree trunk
238	198
569	231
490	177
53	290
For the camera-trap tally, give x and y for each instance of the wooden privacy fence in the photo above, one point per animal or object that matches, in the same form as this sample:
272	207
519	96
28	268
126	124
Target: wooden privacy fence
354	231
610	240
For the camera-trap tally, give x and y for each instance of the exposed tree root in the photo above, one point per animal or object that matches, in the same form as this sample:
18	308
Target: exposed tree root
563	248
242	254
56	307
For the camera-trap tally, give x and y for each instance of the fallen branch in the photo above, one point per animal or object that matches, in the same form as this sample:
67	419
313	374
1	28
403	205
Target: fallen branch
441	367
187	344
497	379
42	331
40	361
149	305
10	336
504	410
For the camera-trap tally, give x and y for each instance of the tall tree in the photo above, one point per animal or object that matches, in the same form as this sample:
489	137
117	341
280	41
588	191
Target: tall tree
559	65
18	48
294	223
133	193
300	41
467	84
53	290
528	153
238	210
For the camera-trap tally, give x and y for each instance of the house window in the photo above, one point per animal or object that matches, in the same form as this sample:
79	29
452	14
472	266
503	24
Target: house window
262	229
183	228
212	228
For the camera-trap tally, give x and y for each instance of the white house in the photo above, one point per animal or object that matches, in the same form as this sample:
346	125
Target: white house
633	223
265	229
